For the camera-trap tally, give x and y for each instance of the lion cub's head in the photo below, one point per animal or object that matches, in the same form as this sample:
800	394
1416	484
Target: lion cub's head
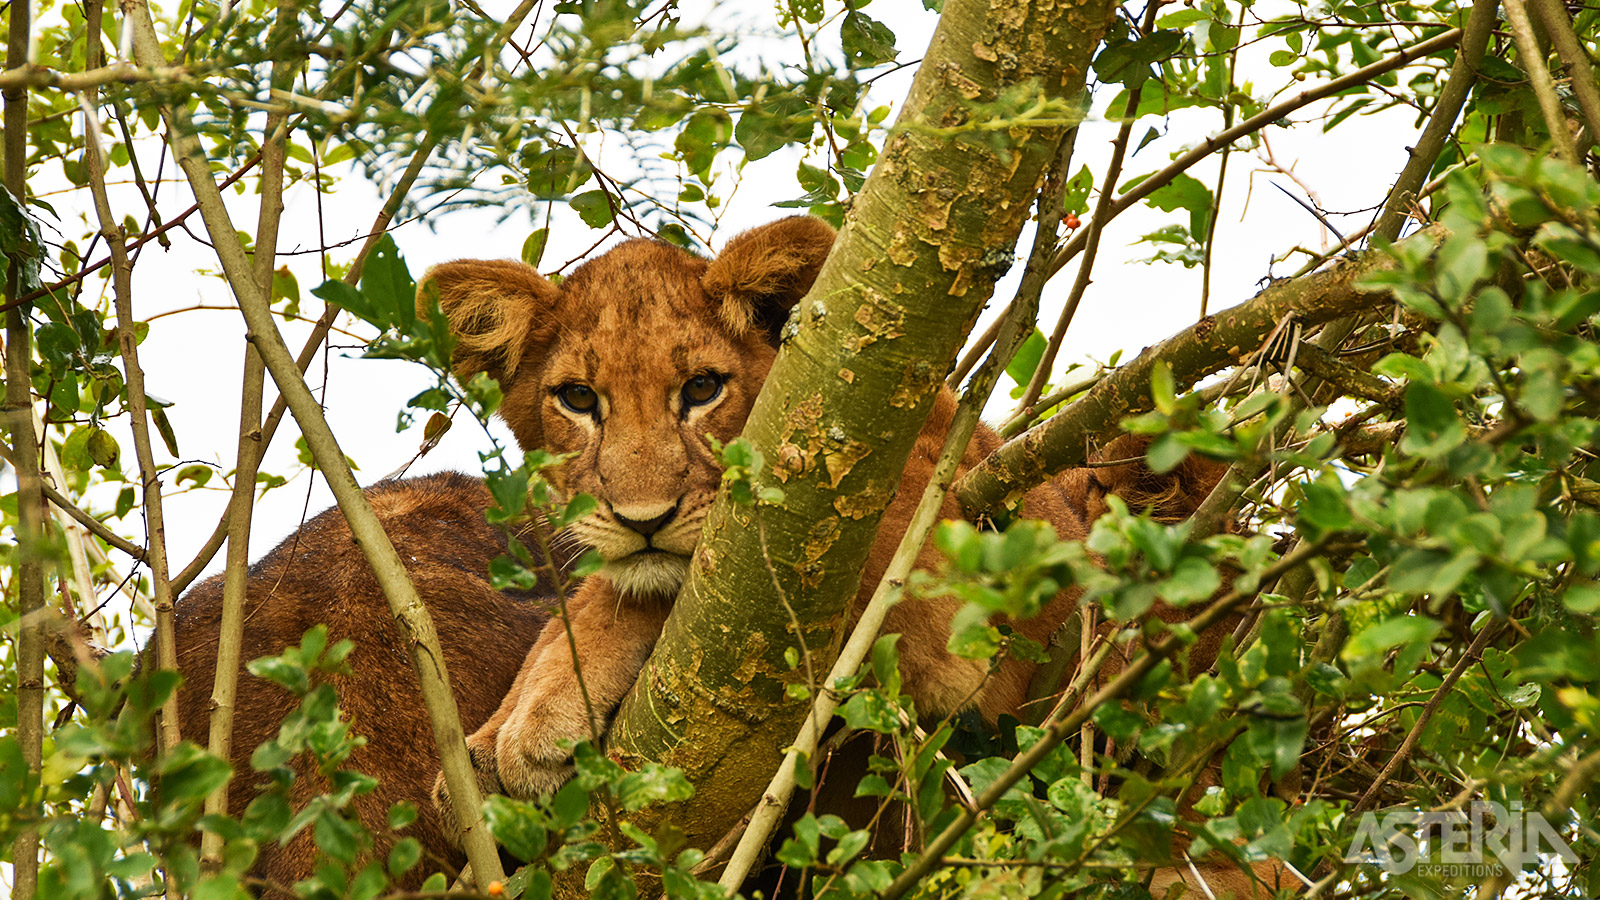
628	364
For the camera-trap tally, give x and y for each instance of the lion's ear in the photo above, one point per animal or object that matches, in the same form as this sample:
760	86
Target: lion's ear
761	274
495	307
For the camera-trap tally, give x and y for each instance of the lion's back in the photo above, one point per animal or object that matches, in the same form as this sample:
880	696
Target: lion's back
319	575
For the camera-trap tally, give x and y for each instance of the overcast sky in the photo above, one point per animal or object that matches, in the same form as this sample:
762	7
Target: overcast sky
194	359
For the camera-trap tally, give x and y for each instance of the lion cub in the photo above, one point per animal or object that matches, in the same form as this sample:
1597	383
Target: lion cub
627	365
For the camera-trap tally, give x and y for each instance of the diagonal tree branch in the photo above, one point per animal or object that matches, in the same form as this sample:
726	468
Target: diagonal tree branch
1207	346
409	612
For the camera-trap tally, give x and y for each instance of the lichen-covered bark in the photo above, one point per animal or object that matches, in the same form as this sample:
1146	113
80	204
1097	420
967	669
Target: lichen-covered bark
1213	343
934	226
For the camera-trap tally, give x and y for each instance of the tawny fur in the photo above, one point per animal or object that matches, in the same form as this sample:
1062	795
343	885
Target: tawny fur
319	575
635	326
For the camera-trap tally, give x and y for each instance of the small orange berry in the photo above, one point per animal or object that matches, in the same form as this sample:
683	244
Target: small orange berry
1071	221
496	889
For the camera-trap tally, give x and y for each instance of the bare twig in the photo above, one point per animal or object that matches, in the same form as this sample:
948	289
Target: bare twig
1255	123
1403	752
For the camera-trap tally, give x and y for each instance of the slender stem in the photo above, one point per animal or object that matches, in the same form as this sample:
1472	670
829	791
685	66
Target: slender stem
1553	16
1108	186
236	575
409	612
1403	753
149	476
30	508
1062	726
1442	121
1255	123
313	344
95	526
1544	87
1228	112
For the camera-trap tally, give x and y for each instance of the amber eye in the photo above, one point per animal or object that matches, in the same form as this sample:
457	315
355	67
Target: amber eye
702	389
580	398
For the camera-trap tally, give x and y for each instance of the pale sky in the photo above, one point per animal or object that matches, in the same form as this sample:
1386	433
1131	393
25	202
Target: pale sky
194	359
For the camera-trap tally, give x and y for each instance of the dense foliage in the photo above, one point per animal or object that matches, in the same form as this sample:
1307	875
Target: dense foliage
1410	539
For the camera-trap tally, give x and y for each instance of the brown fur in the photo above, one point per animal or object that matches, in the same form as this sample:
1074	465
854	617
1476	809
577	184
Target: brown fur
319	575
636	325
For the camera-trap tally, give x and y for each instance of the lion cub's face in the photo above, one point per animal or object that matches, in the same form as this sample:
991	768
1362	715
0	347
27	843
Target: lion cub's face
627	366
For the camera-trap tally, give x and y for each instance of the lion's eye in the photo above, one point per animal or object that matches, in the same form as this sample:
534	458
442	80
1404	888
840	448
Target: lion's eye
702	389
580	398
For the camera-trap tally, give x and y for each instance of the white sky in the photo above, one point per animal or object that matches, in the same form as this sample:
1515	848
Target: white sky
194	359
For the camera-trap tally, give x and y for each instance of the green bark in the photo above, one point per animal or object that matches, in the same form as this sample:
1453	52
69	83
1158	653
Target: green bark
927	236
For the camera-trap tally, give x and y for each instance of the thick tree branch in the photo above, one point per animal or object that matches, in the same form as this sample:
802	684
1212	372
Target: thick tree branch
1209	345
846	399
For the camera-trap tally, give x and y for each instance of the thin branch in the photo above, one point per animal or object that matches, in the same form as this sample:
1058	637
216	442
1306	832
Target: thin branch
1544	87
149	476
1108	186
230	628
313	344
1403	753
1060	727
158	234
95	526
40	77
1143	189
30	508
1441	122
1553	16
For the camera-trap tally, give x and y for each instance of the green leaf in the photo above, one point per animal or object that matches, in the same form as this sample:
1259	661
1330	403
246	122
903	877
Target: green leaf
1026	361
1432	426
867	42
533	247
387	284
593	207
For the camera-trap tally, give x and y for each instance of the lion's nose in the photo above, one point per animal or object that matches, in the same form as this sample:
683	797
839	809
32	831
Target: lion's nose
650	525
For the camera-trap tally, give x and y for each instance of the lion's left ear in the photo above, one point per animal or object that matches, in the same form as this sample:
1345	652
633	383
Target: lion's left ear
761	274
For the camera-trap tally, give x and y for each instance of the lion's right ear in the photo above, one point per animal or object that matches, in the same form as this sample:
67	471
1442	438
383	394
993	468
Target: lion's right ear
495	308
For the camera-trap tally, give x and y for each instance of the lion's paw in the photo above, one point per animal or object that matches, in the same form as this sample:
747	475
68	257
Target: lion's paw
481	753
529	769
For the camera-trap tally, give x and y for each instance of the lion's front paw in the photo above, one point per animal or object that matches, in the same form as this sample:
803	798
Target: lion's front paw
481	753
533	754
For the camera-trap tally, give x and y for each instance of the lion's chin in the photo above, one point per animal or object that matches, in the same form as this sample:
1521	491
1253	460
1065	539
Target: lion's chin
647	574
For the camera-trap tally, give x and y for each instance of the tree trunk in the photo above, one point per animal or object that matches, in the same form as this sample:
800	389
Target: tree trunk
926	238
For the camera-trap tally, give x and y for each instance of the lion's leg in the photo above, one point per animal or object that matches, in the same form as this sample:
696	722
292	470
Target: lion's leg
613	638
